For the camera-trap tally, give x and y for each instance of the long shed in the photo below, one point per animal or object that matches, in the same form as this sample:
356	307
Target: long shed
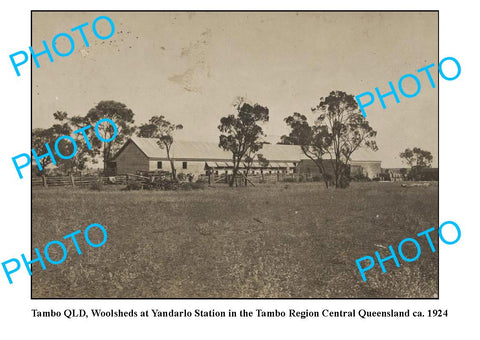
197	158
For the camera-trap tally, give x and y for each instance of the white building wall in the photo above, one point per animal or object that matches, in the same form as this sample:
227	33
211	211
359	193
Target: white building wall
198	168
370	168
193	167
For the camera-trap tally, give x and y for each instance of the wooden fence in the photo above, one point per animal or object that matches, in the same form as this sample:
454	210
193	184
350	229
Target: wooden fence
253	179
72	181
89	180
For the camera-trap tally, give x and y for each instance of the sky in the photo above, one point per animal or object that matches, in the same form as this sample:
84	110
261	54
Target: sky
190	67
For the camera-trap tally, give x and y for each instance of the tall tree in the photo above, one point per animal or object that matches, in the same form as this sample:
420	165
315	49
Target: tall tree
40	137
240	133
161	129
348	129
339	130
65	126
417	157
314	141
84	154
123	118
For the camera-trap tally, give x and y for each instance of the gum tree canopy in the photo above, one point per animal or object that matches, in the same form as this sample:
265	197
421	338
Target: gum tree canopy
123	118
338	131
161	129
241	135
417	157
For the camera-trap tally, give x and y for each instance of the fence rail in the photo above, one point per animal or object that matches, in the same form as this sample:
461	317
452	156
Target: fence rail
72	181
89	180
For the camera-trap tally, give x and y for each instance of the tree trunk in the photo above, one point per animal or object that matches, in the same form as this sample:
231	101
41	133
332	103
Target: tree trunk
321	168
105	157
234	175
318	162
44	181
172	164
174	172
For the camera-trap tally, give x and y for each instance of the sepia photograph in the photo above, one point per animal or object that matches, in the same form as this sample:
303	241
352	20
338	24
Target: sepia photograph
235	155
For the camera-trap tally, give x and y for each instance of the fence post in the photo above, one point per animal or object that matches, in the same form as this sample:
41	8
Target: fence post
44	181
72	180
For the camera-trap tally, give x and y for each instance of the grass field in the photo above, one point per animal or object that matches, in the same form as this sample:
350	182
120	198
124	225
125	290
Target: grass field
274	240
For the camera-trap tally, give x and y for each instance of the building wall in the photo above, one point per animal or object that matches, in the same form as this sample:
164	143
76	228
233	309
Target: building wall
193	167
370	168
396	174
355	170
308	167
198	168
131	159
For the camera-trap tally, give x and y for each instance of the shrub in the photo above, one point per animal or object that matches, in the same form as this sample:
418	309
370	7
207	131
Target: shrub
182	177
289	180
162	183
317	178
203	180
344	181
168	185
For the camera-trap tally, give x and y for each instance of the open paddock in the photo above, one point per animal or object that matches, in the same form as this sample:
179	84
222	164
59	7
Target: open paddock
278	240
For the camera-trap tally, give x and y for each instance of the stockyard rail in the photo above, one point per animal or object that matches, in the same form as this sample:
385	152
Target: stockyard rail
89	180
251	179
72	181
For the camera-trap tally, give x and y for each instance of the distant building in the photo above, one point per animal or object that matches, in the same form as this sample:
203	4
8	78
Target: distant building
199	157
418	174
426	174
396	174
363	164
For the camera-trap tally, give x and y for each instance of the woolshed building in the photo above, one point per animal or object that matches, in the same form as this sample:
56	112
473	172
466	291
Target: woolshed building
197	158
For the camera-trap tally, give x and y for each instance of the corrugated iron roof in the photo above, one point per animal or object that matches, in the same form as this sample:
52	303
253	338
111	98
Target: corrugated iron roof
210	151
182	149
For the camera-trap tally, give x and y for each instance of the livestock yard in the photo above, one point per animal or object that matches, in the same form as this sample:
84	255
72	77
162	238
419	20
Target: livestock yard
270	241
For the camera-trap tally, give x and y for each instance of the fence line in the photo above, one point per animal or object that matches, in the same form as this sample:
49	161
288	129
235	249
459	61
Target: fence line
89	180
72	181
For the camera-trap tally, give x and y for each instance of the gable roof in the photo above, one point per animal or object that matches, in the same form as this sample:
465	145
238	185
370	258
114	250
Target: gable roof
189	150
181	149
